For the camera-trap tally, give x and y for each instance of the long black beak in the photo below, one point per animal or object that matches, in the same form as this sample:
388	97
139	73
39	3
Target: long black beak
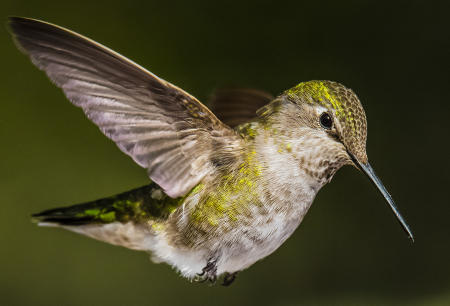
367	169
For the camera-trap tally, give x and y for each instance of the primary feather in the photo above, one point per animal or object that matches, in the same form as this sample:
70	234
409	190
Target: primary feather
163	128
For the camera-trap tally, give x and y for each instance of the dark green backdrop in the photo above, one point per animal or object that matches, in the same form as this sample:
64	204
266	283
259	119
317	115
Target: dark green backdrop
348	251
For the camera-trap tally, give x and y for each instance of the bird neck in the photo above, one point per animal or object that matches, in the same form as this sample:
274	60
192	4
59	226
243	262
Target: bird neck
306	158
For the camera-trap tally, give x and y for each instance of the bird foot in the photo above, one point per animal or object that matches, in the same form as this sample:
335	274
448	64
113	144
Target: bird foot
209	272
229	278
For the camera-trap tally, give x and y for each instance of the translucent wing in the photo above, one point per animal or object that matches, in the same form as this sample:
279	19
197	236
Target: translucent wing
235	106
163	128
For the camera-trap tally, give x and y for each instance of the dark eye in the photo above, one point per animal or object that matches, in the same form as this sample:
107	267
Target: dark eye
325	121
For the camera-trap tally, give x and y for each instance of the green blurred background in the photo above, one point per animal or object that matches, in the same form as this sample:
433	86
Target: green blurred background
348	251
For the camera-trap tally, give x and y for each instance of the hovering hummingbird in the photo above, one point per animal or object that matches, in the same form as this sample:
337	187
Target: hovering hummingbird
223	193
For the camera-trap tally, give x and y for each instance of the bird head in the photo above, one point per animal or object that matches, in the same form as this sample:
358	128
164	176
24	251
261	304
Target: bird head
333	116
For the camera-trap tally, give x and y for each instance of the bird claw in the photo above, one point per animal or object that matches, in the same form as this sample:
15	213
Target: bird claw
209	272
229	278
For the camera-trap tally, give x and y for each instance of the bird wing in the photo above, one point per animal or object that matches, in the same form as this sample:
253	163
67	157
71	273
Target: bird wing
235	106
163	128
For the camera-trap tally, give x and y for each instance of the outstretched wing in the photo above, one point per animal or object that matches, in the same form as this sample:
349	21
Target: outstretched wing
163	128
235	106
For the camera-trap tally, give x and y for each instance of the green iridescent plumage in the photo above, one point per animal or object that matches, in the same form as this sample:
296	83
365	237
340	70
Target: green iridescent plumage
137	205
345	105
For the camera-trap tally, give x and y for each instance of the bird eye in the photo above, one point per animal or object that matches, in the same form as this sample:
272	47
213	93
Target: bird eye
325	121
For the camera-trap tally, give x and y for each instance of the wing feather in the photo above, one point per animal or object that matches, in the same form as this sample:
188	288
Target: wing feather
163	128
235	106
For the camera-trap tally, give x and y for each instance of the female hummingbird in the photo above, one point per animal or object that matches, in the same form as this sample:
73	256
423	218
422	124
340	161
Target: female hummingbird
223	193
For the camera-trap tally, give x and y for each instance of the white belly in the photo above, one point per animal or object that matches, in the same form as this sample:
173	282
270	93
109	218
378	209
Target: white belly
236	251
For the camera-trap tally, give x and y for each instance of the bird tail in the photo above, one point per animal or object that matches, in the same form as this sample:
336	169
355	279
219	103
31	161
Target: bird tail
124	207
127	219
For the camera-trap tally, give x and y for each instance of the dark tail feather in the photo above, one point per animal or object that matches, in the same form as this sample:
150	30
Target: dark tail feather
127	206
72	215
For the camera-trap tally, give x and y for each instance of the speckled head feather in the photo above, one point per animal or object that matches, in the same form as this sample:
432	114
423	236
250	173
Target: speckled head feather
345	107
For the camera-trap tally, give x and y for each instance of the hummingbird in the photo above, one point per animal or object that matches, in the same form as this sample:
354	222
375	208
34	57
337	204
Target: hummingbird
228	186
